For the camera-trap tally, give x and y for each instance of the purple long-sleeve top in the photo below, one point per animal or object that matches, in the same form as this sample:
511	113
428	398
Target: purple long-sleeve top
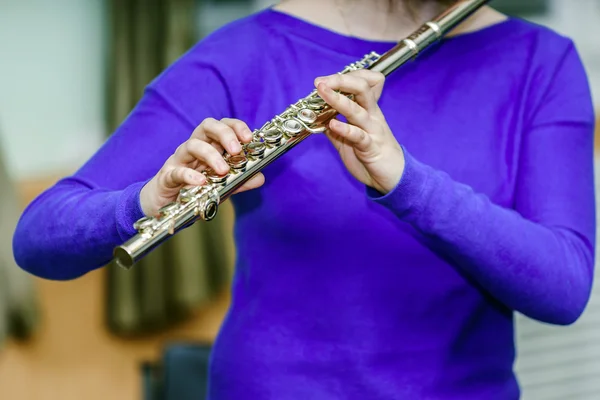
340	292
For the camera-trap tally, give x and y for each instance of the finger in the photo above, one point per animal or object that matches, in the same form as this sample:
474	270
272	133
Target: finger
212	130
336	140
241	129
358	138
352	84
257	181
200	165
199	131
182	176
354	113
375	79
196	149
217	147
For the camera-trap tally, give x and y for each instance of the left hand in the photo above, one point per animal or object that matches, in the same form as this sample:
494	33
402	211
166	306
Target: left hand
366	144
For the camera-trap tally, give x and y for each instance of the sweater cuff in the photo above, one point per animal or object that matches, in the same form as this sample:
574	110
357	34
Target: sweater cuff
129	210
408	193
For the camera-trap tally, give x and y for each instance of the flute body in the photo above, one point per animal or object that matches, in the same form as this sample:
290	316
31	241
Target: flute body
307	116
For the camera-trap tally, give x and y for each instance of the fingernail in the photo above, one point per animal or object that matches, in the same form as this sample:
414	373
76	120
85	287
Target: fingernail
235	146
197	178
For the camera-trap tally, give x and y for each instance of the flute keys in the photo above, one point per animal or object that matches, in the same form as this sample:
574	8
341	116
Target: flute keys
209	210
272	136
168	210
237	162
307	116
255	149
214	177
143	224
292	127
315	103
208	205
187	194
169	213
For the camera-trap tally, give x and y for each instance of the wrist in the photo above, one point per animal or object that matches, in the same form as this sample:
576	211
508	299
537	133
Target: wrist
147	206
394	176
129	210
408	193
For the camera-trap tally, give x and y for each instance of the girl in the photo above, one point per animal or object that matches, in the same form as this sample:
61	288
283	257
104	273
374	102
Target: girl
385	259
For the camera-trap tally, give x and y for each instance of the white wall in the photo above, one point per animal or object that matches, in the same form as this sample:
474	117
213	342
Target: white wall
580	20
51	83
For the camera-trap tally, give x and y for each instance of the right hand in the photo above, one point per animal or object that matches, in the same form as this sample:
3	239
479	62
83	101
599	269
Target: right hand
204	149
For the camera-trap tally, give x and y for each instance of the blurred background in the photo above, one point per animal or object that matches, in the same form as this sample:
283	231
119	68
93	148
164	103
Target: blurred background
70	71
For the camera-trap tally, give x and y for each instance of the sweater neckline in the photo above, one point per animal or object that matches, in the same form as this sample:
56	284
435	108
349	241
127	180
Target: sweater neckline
354	46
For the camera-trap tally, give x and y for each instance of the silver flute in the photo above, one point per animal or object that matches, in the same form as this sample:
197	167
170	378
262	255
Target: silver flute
276	137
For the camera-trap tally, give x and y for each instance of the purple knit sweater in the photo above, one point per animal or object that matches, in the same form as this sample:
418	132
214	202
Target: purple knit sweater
340	293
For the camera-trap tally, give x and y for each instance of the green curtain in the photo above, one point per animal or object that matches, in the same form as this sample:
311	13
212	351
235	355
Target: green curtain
18	302
192	267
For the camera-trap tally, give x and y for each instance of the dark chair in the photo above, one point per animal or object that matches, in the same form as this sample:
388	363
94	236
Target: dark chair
181	374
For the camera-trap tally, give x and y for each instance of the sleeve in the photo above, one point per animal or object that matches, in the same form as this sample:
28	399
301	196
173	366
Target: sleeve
537	258
72	228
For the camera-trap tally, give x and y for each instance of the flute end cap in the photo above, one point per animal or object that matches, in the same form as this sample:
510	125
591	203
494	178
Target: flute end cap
123	258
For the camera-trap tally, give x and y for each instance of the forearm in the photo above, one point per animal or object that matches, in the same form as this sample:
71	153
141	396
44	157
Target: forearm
542	271
72	228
